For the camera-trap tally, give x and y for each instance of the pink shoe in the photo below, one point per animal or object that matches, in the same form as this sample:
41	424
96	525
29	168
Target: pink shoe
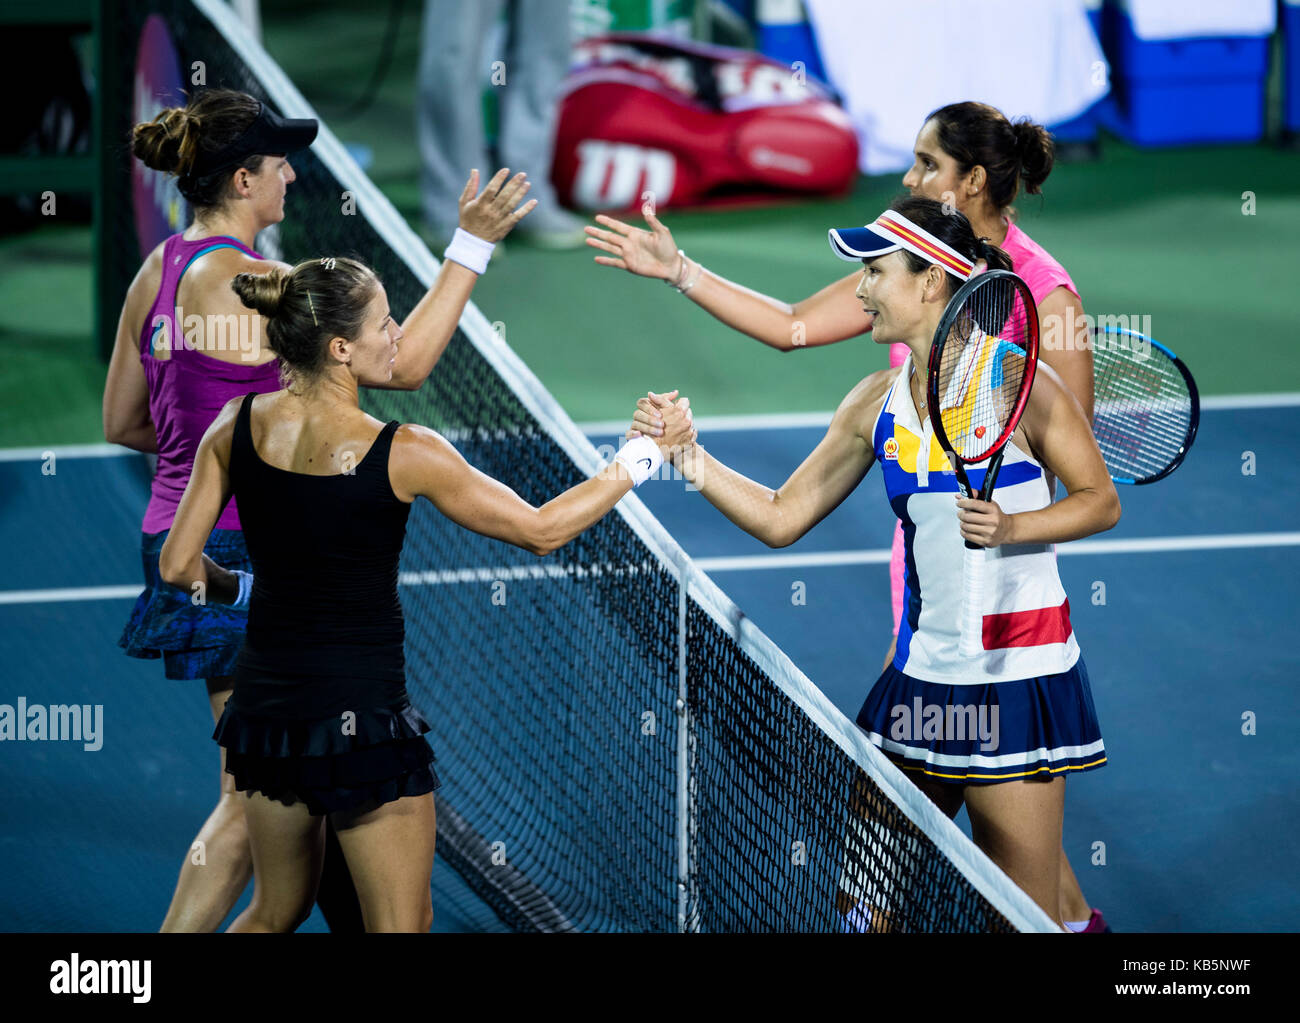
1096	924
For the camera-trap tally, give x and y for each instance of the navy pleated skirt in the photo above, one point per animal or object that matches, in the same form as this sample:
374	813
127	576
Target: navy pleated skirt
194	640
986	733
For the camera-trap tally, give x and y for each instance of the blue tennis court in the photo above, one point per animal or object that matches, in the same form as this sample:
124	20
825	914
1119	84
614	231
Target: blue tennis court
1178	611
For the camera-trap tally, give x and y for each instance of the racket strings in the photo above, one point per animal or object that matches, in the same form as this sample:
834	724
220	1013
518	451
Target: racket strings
1143	409
982	369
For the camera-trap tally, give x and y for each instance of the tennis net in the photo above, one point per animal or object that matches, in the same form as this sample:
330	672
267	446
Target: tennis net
621	749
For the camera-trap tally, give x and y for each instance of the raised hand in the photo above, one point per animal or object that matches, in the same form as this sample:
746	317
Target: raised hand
492	214
650	253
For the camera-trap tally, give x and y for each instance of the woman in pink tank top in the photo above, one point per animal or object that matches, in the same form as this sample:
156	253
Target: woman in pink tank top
968	155
186	345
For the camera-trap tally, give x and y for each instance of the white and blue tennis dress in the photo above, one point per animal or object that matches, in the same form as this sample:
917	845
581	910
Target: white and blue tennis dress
1023	708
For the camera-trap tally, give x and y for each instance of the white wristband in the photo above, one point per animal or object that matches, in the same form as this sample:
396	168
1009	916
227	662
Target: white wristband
641	458
469	250
245	588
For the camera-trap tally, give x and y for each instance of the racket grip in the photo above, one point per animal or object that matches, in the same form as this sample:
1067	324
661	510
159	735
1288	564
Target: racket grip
971	643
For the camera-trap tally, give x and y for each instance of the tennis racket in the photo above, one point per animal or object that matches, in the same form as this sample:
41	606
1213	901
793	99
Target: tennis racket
1145	405
982	366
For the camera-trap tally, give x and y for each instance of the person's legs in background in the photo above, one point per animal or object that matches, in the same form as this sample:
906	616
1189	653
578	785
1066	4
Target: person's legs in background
336	895
538	54
448	106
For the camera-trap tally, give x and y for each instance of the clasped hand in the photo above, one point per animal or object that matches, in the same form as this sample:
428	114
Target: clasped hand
667	420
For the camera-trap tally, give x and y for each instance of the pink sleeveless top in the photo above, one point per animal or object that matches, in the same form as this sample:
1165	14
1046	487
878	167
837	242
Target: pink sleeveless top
187	390
1032	262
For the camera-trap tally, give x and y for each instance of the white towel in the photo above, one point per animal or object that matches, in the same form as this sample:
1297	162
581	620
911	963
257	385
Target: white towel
895	62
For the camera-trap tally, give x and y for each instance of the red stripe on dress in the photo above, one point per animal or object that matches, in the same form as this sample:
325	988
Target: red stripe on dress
1027	628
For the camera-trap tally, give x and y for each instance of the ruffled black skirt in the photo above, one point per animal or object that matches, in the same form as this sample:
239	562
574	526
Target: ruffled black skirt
356	758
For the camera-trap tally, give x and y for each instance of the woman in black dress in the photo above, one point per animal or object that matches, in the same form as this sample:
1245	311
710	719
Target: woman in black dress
319	723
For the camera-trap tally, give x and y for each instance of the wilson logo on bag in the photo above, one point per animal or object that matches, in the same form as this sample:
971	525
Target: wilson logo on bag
646	120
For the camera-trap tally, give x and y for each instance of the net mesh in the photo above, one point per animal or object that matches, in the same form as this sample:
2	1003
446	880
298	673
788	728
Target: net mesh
580	791
1145	408
982	364
790	833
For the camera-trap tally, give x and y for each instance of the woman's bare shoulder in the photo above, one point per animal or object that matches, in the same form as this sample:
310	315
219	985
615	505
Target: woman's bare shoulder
862	405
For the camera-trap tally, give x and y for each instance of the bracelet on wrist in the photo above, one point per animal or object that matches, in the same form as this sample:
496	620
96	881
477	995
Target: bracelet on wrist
694	280
675	280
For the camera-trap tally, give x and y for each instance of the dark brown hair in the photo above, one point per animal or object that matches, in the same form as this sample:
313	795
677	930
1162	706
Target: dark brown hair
954	230
209	122
976	134
317	300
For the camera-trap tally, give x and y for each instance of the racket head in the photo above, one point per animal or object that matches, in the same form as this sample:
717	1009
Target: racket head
982	364
1146	406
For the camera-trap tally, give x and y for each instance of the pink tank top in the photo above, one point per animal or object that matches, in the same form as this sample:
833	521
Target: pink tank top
187	390
1031	261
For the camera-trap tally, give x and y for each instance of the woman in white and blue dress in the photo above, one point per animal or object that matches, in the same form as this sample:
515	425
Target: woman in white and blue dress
1029	686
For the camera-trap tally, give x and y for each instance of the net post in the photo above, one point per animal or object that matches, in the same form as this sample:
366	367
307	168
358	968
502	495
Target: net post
684	922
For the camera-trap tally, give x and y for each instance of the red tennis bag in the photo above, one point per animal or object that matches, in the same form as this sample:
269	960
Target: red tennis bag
651	120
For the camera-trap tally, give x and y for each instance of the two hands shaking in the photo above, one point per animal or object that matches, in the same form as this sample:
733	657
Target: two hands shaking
667	420
662	430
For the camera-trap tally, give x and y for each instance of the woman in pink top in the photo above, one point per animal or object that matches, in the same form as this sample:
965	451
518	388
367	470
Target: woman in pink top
969	156
186	345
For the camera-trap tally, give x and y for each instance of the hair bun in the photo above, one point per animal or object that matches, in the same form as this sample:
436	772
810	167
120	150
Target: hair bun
263	292
1036	152
1024	132
168	143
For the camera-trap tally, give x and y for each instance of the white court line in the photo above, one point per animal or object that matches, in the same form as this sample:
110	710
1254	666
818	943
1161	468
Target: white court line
1228	402
769	421
64	451
798	420
740	563
1140	545
617	427
70	594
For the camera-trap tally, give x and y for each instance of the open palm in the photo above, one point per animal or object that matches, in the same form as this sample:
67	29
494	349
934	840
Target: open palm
645	253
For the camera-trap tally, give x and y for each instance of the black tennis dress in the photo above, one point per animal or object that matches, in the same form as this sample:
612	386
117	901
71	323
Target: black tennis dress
319	713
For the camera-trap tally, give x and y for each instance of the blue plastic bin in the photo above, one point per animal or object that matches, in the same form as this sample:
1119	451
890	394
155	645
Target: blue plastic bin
785	35
1291	81
1184	91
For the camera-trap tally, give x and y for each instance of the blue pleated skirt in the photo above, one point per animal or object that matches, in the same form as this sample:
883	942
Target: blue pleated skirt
979	734
193	640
